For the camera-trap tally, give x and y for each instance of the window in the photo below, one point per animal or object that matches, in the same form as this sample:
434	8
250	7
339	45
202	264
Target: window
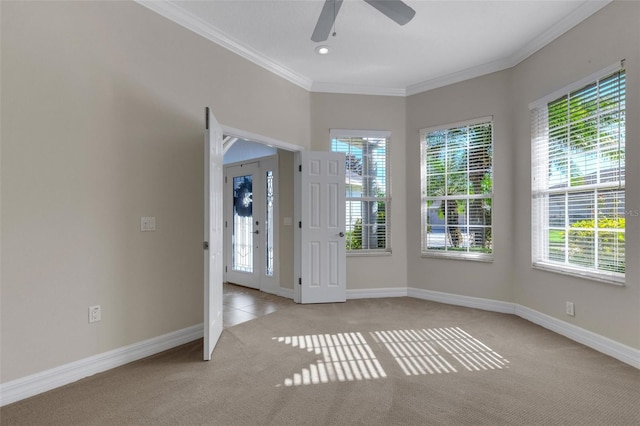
578	173
457	190
367	188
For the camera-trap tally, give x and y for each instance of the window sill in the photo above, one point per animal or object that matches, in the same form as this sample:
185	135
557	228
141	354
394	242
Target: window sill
367	253
606	279
474	257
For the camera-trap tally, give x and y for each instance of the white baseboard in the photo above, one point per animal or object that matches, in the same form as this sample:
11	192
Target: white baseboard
43	381
375	293
34	384
467	301
602	344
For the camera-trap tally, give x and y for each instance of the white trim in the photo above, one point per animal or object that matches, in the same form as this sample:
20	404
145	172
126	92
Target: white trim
459	76
617	350
43	381
171	11
459	300
353	133
175	13
481	120
376	293
583	273
354	89
34	384
602	344
255	137
587	9
591	78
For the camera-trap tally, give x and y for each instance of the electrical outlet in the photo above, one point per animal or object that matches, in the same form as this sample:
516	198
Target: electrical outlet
570	309
94	313
148	224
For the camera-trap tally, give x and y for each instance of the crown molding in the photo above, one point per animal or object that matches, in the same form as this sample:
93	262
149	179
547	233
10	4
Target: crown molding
587	9
175	13
354	89
459	76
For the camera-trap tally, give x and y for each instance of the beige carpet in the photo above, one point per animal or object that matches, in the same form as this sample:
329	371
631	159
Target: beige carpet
394	361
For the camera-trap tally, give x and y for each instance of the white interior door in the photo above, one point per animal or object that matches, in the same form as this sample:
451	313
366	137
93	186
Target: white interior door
213	233
322	276
244	224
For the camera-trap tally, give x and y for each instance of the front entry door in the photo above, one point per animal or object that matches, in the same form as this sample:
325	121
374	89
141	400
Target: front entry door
322	228
243	224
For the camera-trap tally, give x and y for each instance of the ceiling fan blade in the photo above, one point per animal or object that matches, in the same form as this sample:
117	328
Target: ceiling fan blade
326	20
394	9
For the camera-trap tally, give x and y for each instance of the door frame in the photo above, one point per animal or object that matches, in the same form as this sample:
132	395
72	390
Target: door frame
264	283
233	134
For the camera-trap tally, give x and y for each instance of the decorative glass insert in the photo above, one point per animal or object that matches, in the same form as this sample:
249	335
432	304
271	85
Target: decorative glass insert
242	236
269	223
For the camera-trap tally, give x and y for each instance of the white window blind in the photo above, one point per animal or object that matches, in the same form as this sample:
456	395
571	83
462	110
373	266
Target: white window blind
457	190
368	199
578	179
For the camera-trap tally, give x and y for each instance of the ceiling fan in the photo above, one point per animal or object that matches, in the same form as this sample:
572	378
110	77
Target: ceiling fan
396	10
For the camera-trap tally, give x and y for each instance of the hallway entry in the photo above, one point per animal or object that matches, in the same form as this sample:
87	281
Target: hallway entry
250	223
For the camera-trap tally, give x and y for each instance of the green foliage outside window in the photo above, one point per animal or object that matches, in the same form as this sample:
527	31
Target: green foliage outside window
610	244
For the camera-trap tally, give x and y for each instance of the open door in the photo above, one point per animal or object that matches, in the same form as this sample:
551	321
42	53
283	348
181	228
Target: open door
213	233
322	251
244	224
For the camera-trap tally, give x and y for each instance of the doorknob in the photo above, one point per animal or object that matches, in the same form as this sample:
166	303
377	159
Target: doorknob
341	234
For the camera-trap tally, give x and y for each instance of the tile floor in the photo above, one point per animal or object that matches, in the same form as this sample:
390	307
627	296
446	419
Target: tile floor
242	304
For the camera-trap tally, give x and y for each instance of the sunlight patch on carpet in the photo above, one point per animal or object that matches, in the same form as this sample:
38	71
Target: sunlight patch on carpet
346	357
437	350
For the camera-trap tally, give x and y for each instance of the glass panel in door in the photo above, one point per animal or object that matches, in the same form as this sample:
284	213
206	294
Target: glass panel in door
244	196
269	224
242	231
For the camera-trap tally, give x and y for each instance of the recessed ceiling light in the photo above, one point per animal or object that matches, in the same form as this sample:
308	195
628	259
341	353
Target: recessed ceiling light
322	50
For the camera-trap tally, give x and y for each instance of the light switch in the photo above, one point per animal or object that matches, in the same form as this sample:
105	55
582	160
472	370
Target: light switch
147	224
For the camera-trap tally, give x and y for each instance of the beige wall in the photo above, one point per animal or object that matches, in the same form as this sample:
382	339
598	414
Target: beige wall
605	38
102	123
480	97
362	112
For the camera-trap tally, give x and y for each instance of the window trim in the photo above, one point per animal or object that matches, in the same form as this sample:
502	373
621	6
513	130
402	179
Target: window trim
454	255
593	274
386	134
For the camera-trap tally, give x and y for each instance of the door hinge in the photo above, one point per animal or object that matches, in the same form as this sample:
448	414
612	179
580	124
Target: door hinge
225	223
206	117
300	225
300	281
300	168
205	245
225	179
225	269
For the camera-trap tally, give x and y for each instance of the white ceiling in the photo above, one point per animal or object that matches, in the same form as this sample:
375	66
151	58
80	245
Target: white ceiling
446	42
